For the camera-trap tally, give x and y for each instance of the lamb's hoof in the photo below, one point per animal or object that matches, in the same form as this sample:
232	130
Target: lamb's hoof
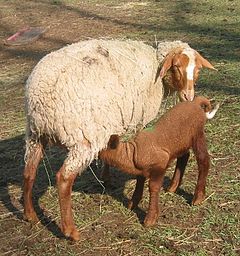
171	190
132	205
31	217
198	199
173	187
73	234
150	221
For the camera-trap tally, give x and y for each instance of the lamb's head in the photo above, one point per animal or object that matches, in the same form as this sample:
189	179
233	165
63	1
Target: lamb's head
203	102
113	142
184	65
111	149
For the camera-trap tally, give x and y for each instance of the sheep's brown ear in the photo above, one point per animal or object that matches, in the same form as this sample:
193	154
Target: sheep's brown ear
113	141
205	63
166	64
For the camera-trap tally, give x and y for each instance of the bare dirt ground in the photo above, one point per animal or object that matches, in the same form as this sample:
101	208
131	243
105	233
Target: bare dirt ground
106	225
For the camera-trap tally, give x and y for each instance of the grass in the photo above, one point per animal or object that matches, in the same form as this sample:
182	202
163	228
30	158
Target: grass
106	225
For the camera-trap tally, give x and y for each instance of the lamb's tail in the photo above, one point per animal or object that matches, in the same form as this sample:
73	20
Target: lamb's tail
206	105
211	114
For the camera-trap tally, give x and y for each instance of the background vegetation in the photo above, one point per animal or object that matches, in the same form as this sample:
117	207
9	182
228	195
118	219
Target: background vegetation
107	226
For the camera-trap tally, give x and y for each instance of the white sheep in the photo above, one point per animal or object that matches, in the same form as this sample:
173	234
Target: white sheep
79	95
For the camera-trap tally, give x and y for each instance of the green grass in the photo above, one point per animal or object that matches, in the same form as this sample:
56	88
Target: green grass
107	226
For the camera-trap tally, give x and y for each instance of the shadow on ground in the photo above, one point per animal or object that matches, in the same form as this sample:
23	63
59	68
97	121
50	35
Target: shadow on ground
11	173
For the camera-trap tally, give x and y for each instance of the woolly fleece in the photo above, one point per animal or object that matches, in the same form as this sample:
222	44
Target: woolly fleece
81	94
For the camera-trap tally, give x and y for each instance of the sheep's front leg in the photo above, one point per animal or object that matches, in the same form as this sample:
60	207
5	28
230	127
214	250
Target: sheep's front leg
65	183
203	161
179	172
137	194
33	157
155	184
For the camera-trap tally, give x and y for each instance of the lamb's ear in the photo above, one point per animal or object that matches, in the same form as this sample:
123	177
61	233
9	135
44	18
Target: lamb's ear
206	107
205	63
167	63
206	104
113	141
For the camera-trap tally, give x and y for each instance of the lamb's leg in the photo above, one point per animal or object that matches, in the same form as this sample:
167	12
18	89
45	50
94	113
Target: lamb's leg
137	194
155	184
179	172
203	161
64	184
34	155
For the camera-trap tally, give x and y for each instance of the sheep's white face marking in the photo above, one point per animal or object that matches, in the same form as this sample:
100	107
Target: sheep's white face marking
188	90
191	64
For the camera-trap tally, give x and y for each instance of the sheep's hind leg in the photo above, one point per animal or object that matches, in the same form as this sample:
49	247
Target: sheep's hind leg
64	184
203	161
34	155
137	194
179	172
155	184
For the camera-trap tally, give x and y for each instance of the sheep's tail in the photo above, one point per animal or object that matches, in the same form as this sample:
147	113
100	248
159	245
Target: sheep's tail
211	114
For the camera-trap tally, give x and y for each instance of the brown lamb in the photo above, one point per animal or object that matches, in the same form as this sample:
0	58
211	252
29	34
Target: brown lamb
150	152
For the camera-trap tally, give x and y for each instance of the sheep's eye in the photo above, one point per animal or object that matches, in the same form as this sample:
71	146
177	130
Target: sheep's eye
176	73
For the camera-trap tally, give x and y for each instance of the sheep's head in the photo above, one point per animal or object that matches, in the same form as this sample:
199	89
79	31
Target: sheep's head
184	65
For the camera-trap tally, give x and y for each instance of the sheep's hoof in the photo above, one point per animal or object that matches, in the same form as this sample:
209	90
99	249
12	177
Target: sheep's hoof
198	199
31	217
150	220
73	234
